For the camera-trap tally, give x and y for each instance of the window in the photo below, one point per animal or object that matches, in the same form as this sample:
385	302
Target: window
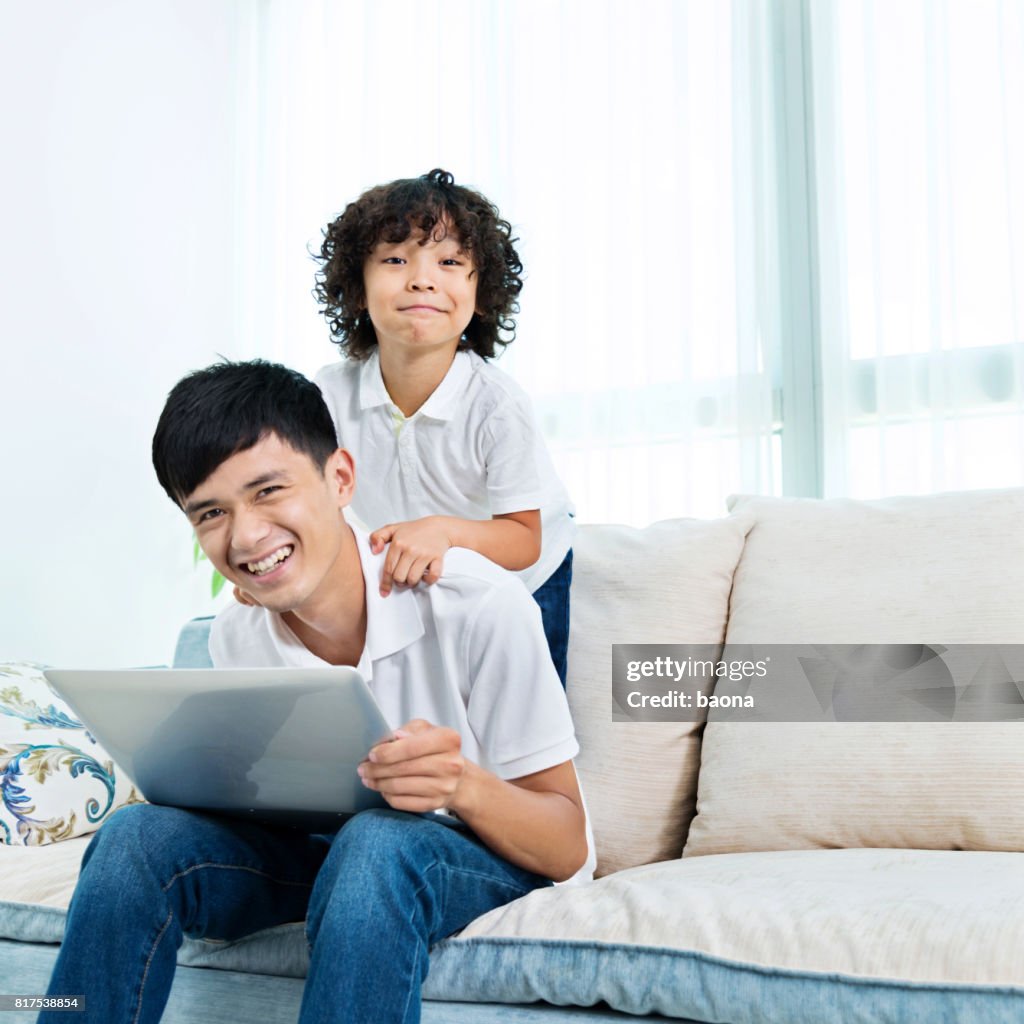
770	247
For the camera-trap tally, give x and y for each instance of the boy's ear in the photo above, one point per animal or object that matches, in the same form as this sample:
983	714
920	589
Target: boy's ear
340	472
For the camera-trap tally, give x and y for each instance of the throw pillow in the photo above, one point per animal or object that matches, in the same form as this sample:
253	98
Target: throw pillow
666	584
56	781
940	569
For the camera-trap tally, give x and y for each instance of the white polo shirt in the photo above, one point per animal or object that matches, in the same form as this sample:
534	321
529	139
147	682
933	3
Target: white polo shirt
468	652
472	450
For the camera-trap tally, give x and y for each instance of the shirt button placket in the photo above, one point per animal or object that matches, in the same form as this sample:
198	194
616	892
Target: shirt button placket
410	464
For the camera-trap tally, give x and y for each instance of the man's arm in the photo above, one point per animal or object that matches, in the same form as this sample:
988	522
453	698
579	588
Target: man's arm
536	822
417	547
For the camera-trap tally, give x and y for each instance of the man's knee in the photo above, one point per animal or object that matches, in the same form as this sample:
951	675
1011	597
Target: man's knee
138	829
380	857
125	827
380	848
377	832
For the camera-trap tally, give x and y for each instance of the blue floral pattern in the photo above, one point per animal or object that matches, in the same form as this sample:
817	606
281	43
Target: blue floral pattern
56	781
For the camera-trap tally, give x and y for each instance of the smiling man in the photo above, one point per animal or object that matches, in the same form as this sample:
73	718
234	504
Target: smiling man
248	451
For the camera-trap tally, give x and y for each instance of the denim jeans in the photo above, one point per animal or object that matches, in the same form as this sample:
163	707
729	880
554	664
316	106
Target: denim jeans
375	897
553	597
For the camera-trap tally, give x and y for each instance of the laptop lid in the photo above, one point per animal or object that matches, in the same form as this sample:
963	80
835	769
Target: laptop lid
279	745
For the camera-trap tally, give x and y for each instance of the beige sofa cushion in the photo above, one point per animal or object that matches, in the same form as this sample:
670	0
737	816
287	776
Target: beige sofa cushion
946	568
44	875
805	937
668	583
913	915
941	569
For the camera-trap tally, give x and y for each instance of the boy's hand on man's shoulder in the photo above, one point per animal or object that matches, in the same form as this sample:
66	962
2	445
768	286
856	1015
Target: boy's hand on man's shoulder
419	769
416	551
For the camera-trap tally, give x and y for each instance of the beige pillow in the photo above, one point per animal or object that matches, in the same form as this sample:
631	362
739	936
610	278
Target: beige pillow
946	568
668	583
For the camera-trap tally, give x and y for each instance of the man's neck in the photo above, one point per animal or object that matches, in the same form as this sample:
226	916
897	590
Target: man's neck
332	624
411	377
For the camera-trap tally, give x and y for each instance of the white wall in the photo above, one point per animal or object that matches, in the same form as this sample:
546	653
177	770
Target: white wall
116	261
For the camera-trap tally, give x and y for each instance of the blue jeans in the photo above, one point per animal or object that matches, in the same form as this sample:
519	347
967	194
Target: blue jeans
375	897
553	597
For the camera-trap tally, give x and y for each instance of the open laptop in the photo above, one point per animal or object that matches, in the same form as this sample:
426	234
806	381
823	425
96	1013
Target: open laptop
275	745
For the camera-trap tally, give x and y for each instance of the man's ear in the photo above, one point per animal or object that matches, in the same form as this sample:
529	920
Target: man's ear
340	472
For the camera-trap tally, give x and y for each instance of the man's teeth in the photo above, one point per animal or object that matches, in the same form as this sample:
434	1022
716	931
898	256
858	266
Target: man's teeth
268	563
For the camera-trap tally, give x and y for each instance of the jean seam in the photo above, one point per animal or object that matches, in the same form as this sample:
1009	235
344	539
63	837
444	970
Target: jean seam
496	879
149	962
170	916
416	962
232	867
418	986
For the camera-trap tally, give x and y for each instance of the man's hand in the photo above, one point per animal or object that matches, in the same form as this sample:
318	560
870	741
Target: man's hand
244	597
420	769
416	552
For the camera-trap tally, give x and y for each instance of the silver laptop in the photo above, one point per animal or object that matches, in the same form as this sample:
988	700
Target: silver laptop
275	745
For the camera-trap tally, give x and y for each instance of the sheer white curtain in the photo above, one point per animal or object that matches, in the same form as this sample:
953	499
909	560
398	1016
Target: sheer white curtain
623	141
919	108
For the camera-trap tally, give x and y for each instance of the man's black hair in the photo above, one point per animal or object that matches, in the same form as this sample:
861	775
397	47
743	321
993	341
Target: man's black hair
227	408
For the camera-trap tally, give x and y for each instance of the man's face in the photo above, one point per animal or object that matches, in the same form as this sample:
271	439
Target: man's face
270	521
421	296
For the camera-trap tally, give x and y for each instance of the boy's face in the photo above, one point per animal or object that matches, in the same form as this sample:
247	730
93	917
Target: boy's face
270	522
420	296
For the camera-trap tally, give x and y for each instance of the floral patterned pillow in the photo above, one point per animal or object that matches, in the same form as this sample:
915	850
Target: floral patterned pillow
56	781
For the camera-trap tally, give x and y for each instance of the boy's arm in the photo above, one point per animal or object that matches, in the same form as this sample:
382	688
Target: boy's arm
535	822
417	547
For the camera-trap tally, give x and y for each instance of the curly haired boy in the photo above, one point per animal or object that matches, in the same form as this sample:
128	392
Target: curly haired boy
419	284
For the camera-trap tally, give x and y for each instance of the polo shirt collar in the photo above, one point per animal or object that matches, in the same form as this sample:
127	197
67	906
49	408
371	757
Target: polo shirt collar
371	384
441	405
393	622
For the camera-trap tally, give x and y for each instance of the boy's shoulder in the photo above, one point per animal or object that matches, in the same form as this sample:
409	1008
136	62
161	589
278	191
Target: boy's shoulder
493	400
489	379
341	373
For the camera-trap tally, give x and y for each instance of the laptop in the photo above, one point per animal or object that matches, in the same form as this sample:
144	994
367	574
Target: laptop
276	745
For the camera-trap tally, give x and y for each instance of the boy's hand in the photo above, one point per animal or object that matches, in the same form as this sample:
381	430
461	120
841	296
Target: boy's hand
416	552
419	769
244	597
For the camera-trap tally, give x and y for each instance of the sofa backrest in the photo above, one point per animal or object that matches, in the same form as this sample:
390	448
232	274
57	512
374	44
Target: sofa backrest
193	647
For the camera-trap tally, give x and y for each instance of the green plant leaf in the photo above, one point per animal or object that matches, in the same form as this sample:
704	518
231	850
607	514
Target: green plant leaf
216	583
198	554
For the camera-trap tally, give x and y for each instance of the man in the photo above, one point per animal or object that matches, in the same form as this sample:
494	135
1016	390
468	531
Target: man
248	451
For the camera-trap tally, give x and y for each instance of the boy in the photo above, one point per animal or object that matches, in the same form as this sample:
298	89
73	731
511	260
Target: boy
248	451
419	283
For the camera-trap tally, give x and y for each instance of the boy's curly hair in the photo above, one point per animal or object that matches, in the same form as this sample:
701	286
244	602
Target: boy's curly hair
431	203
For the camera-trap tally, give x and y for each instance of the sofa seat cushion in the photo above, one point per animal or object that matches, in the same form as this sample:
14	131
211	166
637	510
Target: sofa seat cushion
41	874
804	936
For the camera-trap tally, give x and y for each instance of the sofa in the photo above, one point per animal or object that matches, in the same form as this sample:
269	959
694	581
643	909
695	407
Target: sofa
804	872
